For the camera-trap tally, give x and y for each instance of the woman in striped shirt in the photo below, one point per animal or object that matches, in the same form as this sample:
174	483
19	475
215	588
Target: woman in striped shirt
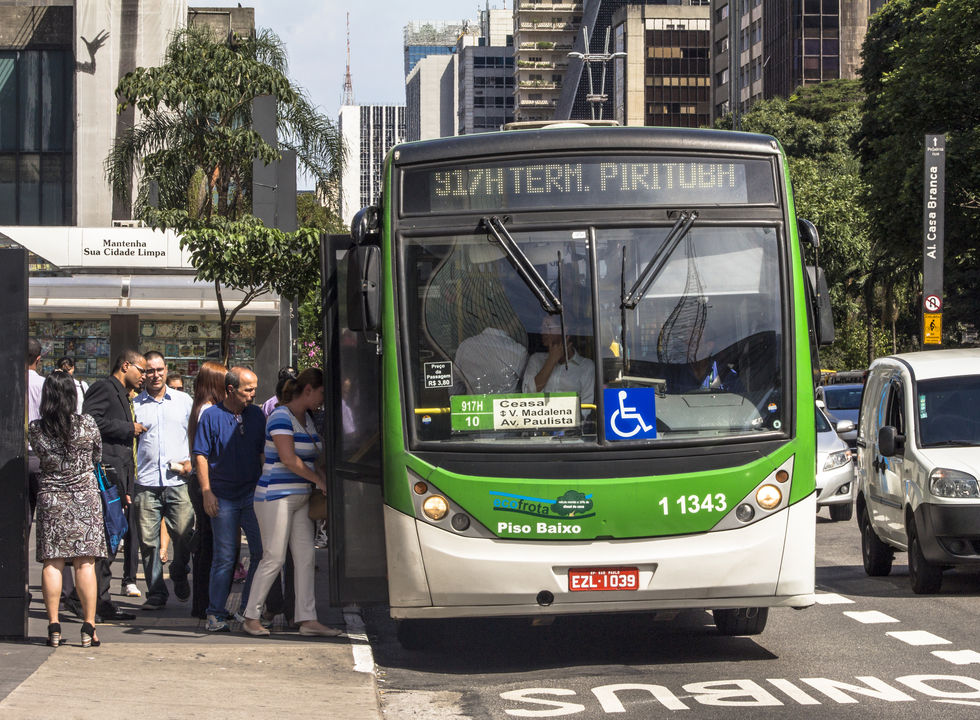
282	499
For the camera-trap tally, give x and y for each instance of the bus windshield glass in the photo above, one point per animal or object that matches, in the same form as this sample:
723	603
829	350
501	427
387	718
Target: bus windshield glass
700	349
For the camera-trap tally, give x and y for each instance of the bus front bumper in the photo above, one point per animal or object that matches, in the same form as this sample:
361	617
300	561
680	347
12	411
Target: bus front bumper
433	573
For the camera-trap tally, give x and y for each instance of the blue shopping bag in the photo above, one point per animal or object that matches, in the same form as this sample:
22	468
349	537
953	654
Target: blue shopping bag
116	524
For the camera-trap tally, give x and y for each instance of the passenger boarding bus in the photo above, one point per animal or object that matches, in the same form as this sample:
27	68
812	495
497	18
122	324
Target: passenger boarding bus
571	371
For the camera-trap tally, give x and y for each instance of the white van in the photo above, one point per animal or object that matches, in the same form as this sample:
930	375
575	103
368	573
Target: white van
918	448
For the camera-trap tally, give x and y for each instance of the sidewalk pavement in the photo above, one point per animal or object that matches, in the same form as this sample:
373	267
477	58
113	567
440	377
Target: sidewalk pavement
164	665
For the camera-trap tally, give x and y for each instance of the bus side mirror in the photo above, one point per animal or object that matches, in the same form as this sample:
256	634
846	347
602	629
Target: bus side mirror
820	297
808	232
364	288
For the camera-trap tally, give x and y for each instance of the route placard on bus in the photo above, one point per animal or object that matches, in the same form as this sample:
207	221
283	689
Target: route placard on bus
535	411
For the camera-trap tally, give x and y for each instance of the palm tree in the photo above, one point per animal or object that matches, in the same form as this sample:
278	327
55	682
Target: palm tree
195	137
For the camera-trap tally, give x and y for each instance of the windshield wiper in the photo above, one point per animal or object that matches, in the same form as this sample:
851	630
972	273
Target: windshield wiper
659	259
535	283
950	443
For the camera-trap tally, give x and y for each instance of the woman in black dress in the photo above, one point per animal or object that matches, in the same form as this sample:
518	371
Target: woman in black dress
70	525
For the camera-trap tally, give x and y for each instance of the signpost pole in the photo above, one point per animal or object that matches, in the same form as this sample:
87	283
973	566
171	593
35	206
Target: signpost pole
932	242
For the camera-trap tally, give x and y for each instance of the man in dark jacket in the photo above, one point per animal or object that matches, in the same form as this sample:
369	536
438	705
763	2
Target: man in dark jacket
109	403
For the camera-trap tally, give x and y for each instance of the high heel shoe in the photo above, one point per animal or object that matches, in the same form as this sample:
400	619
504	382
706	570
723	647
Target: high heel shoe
88	636
54	634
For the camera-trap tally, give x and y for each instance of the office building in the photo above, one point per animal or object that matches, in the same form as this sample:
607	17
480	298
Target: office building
430	98
544	34
780	46
485	70
665	78
423	39
100	283
369	132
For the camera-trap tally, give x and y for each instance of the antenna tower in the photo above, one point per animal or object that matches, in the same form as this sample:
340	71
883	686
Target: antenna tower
348	97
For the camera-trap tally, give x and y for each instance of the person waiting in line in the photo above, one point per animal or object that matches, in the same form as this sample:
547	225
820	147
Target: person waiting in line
175	381
163	464
285	373
560	368
108	402
209	389
70	525
228	449
489	363
282	501
35	384
81	387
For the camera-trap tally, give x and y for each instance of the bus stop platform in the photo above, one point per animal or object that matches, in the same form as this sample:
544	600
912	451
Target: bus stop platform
164	665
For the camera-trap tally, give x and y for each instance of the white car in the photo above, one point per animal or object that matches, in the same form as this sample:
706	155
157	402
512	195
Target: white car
918	464
835	469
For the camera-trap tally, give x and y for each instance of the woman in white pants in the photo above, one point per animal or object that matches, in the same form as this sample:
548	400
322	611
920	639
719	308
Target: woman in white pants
282	499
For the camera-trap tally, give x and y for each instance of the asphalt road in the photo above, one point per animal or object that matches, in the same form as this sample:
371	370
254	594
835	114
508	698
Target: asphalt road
870	648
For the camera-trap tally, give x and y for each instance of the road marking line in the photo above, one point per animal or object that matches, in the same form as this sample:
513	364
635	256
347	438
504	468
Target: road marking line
958	657
359	645
958	702
832	599
794	692
919	637
870	617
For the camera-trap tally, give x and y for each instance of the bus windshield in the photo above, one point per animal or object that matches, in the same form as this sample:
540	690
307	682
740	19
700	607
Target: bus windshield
489	365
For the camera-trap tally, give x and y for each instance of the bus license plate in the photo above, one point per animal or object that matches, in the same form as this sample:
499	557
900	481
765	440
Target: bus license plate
623	578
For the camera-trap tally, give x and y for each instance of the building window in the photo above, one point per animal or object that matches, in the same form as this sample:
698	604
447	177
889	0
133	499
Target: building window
721	13
36	137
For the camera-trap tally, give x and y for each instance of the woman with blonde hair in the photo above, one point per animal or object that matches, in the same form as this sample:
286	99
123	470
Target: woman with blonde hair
209	389
282	500
70	525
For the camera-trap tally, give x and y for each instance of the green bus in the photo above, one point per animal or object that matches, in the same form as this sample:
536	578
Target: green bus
571	370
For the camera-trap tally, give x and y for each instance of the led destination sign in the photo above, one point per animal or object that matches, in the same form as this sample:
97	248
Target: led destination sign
588	182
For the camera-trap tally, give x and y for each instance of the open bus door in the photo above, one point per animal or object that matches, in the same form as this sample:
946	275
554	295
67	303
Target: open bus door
352	440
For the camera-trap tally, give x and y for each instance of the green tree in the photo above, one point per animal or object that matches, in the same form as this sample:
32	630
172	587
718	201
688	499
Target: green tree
816	128
196	141
921	74
322	219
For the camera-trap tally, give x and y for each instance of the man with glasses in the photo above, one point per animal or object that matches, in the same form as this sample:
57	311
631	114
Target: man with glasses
162	467
228	456
108	402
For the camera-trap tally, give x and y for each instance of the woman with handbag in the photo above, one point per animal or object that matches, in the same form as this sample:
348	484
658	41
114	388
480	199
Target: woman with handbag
282	503
70	523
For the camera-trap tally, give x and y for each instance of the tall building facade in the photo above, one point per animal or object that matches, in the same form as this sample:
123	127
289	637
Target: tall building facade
665	78
485	69
430	98
544	34
424	38
769	48
368	132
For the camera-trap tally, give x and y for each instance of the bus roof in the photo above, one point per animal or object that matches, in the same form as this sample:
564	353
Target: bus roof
604	140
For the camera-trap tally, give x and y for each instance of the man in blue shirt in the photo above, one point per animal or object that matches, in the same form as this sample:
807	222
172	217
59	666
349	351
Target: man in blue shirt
162	466
228	449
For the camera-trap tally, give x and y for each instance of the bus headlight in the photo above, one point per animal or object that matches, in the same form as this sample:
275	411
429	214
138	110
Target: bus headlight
836	460
953	484
768	497
435	507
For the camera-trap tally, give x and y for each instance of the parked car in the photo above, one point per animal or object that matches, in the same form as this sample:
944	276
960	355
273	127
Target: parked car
843	402
918	462
835	470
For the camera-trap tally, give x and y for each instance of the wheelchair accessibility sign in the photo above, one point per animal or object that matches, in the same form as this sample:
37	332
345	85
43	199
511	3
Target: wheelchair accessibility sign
630	413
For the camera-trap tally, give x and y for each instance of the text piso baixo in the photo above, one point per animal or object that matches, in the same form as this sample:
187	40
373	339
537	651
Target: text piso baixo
745	694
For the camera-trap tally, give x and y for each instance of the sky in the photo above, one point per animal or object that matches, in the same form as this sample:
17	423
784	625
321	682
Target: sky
315	35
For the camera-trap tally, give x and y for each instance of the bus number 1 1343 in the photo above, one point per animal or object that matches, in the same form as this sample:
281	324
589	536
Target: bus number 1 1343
693	504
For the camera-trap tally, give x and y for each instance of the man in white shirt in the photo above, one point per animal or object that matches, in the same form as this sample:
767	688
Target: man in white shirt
490	363
549	372
162	467
34	385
